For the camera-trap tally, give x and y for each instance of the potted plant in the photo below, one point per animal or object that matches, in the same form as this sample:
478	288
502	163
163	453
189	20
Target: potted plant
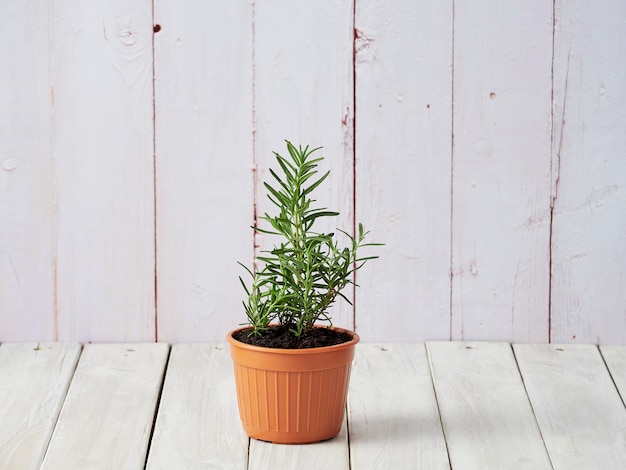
292	371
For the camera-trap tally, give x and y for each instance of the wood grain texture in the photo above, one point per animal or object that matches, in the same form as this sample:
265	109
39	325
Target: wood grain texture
393	416
589	228
501	175
615	358
204	165
107	416
580	413
34	378
482	142
198	424
303	92
487	418
27	215
102	153
403	96
331	454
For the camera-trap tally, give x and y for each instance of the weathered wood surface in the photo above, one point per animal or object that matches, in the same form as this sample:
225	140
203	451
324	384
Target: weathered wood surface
198	422
579	410
76	181
102	159
393	415
444	405
589	143
486	415
501	176
615	358
108	413
34	378
480	141
27	191
204	165
403	168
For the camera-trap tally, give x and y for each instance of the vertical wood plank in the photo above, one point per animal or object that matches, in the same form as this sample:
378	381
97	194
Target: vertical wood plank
487	418
580	413
332	454
198	423
393	415
403	53
501	181
589	229
103	167
615	358
109	410
34	378
203	65
303	93
26	173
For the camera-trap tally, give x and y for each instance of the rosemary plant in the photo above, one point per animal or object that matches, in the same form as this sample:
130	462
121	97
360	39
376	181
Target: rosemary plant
300	278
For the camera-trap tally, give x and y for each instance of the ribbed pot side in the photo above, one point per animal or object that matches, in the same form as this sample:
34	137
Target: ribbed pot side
292	396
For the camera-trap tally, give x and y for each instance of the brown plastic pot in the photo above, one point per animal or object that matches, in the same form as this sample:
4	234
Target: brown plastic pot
292	396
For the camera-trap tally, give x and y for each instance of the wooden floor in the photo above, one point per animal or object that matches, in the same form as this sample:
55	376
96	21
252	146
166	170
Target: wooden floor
434	406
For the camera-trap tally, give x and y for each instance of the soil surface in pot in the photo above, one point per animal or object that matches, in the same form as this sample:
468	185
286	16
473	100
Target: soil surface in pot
281	337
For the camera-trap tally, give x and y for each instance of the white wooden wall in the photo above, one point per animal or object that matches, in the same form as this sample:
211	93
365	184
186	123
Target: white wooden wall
483	142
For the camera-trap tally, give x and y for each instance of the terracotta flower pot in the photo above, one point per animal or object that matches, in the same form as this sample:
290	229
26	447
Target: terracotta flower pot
292	396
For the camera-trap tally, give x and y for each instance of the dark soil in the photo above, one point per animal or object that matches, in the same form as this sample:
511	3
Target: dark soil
281	337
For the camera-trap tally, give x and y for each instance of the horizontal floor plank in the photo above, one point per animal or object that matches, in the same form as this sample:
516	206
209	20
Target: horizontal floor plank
198	425
578	408
108	414
393	416
34	379
486	415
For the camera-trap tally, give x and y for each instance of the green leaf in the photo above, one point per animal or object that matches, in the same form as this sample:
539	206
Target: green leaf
287	167
280	197
315	215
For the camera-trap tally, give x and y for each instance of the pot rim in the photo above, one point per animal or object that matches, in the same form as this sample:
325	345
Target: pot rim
348	344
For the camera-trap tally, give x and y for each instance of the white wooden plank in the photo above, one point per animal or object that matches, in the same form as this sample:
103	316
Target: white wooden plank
198	424
393	416
403	90
330	454
303	92
102	151
108	414
615	358
487	418
203	99
26	173
34	378
580	413
501	175
589	232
